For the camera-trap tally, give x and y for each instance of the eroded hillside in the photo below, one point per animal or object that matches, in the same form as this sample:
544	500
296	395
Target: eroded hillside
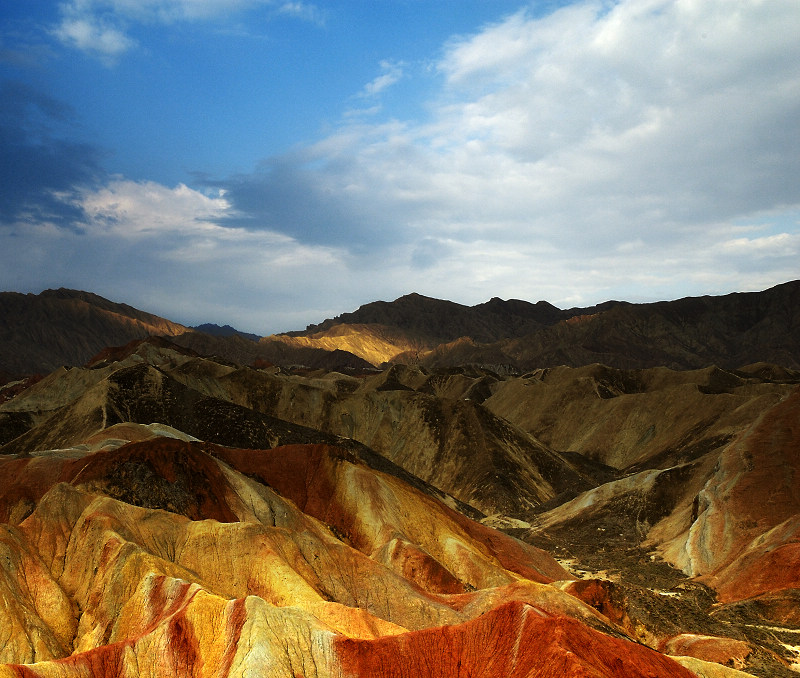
169	514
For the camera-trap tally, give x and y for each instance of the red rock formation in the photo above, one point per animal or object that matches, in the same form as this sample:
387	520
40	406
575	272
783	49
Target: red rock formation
745	541
330	485
214	573
604	596
725	651
164	471
515	639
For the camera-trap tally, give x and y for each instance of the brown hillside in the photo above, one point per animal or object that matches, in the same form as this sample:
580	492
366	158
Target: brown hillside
694	332
39	333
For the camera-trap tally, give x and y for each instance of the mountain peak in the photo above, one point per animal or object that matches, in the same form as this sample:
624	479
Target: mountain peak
67	327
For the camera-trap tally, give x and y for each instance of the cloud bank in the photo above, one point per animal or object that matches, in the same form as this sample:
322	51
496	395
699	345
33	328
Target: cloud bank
642	146
640	149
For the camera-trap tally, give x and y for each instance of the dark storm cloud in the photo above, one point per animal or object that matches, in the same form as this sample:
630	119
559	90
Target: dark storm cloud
292	196
38	162
428	253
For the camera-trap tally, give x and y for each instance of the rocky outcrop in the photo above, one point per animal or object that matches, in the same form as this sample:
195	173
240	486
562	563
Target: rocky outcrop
744	536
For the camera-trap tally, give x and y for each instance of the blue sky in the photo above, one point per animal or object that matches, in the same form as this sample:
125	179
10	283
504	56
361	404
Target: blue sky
267	163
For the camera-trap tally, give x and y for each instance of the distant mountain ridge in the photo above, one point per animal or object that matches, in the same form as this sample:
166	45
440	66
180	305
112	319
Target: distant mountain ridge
39	333
413	325
437	320
224	331
42	332
729	331
694	332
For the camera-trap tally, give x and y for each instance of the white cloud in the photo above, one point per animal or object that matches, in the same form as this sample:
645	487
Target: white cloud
601	148
644	120
131	209
89	34
777	245
166	250
392	72
100	27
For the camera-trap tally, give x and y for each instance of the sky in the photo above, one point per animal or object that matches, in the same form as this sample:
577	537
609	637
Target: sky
269	163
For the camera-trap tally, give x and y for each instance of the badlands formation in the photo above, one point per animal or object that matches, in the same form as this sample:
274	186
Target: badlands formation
167	513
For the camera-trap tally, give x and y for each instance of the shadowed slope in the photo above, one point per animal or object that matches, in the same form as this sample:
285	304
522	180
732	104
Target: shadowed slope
273	350
67	327
694	332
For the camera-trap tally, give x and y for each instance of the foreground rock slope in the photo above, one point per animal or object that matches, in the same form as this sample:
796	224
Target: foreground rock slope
172	557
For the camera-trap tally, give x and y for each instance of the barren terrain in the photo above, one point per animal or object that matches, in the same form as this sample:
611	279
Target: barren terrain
164	512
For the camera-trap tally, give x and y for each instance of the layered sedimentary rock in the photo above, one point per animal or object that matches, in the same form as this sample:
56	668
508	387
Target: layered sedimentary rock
172	557
165	513
743	536
449	441
634	419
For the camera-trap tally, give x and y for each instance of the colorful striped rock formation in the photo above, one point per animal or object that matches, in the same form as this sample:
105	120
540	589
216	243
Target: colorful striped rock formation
167	514
168	557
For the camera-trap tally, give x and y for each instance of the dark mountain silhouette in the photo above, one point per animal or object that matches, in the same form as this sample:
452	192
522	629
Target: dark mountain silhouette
224	331
41	332
67	327
435	321
729	331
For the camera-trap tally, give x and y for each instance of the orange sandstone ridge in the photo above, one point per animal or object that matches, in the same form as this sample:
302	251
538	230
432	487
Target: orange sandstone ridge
166	557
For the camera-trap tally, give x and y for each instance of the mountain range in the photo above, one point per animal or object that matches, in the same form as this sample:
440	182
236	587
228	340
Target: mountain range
417	489
67	327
